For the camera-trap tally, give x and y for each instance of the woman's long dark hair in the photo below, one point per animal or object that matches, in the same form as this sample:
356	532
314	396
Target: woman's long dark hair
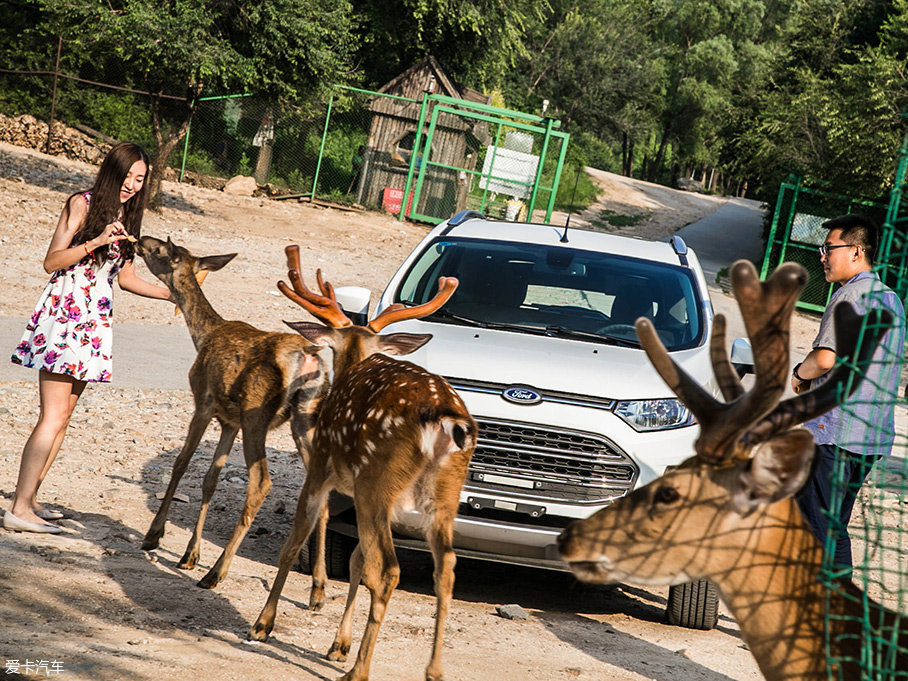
104	206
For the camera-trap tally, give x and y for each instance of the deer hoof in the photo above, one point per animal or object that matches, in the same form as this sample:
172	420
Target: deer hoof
209	581
151	541
187	562
259	632
316	601
338	652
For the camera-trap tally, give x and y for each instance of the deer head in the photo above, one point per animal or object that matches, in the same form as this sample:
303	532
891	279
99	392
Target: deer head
349	342
171	263
696	520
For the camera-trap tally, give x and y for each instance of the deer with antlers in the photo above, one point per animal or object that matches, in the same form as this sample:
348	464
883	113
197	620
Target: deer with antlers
393	437
249	380
727	513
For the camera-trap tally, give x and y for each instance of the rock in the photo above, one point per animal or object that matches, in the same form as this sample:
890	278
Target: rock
512	612
689	185
241	185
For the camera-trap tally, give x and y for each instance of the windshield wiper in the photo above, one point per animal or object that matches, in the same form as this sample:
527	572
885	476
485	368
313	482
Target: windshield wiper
498	326
573	333
446	314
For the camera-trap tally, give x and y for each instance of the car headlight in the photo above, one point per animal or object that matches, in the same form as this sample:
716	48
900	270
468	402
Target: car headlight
645	415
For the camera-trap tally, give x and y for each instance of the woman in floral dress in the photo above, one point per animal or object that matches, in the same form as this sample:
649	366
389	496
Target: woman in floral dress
69	337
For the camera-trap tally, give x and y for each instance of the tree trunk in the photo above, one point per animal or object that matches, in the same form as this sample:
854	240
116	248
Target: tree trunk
164	146
660	154
630	158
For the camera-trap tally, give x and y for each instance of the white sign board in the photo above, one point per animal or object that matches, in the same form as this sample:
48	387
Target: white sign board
513	172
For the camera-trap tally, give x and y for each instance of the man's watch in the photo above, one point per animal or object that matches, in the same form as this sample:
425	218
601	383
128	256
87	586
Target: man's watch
794	372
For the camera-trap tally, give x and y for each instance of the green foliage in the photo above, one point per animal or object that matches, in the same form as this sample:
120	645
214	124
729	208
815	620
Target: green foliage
580	198
654	88
607	219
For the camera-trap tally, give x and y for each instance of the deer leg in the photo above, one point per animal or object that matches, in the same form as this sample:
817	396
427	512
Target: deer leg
228	435
440	537
300	427
319	571
380	575
344	636
256	490
197	427
308	509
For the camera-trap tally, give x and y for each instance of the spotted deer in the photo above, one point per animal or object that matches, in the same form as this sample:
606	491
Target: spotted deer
727	513
394	438
249	380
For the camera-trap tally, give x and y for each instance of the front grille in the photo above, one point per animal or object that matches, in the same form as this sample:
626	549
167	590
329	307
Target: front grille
548	463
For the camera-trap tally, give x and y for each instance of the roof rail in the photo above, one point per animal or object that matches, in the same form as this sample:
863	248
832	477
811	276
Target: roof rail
465	215
680	248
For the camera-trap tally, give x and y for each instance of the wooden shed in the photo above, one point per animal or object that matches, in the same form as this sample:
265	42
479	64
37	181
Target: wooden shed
392	135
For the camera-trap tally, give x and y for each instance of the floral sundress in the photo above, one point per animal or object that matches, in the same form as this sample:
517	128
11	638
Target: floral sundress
70	330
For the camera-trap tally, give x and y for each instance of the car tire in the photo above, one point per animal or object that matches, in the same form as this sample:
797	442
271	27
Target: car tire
338	549
694	605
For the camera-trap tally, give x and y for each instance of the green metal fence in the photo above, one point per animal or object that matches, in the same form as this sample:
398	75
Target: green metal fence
372	149
795	233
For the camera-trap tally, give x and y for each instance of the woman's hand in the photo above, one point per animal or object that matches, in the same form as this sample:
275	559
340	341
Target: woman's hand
115	231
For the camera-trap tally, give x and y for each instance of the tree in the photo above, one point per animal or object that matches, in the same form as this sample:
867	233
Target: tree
476	40
595	61
280	49
831	112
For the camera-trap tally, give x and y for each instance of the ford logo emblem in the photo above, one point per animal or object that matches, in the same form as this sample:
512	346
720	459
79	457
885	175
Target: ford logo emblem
521	395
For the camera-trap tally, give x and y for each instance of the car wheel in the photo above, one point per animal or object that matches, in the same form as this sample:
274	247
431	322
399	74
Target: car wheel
694	605
338	548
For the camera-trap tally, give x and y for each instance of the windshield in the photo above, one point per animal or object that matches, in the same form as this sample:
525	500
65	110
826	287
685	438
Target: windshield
557	291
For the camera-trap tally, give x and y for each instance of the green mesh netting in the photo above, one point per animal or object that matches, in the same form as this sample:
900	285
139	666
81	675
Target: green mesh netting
879	535
879	521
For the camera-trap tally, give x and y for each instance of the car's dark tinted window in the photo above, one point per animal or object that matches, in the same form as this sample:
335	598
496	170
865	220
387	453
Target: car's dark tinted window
543	286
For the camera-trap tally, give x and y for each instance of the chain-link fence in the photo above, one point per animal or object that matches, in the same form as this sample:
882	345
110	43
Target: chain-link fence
795	233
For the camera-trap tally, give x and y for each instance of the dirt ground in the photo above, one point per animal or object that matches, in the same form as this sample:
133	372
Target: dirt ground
89	604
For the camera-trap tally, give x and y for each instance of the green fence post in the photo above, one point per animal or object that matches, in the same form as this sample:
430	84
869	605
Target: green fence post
542	153
557	179
409	183
321	148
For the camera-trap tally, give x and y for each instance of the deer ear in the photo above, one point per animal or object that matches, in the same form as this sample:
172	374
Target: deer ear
778	468
214	262
313	332
403	343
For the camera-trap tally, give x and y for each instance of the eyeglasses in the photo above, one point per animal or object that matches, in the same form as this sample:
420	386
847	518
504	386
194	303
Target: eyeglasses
824	249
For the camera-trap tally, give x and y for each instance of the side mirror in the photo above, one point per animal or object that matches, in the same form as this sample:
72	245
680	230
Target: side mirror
742	357
354	301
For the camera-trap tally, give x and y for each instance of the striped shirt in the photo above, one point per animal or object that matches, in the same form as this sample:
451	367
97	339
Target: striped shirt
865	422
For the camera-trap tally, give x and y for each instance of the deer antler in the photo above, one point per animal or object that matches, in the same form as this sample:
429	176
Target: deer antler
727	430
397	312
324	307
766	308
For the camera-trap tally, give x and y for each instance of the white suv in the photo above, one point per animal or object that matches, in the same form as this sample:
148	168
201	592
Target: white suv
539	341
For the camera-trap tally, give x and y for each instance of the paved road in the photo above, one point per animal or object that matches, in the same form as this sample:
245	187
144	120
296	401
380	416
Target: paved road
145	356
732	232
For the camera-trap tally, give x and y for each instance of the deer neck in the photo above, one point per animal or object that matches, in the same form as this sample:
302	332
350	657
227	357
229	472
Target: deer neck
772	588
351	353
201	317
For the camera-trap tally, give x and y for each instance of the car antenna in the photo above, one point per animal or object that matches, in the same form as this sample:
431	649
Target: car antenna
564	238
